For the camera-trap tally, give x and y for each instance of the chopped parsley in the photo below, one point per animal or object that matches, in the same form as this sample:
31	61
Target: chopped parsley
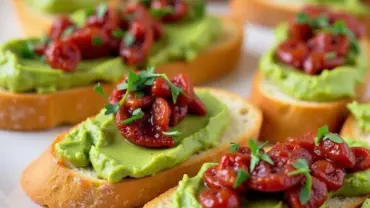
241	177
323	134
234	147
302	167
256	155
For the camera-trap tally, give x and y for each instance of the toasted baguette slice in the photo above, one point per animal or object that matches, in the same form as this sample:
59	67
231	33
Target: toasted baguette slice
285	116
27	111
351	130
165	201
50	184
255	11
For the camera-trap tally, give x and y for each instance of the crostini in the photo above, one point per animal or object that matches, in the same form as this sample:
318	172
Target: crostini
314	170
318	65
152	131
47	81
36	17
278	11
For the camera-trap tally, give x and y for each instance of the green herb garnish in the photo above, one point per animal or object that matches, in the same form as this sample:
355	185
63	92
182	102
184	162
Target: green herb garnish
339	28
161	12
96	41
68	31
256	154
172	133
234	147
101	10
323	133
302	167
136	114
118	33
129	39
109	108
28	50
330	55
241	177
89	12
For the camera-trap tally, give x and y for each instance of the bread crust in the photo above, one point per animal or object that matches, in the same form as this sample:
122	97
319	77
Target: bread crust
348	129
21	111
48	183
271	13
284	119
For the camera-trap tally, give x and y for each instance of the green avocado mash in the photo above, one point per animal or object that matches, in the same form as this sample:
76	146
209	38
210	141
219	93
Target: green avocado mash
61	6
361	112
366	204
351	6
98	142
329	85
355	184
21	72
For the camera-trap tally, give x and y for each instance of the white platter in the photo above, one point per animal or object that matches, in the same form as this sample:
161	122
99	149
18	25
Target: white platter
18	149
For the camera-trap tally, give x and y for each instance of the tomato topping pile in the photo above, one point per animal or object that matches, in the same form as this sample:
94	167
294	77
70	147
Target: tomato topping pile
320	39
128	32
302	171
146	105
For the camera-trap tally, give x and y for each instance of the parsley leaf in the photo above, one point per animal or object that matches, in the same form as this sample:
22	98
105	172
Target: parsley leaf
340	28
89	12
111	108
28	50
257	155
98	88
129	39
330	55
139	94
234	147
175	92
323	133
241	177
302	167
101	10
96	41
171	133
118	33
161	12
68	31
302	18
137	114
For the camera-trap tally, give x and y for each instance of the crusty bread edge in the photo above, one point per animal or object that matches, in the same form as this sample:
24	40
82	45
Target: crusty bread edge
48	183
42	111
255	11
299	118
167	196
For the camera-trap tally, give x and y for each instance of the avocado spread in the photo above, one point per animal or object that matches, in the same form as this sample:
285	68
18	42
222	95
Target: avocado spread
329	85
361	112
98	143
61	6
366	204
186	194
351	6
21	71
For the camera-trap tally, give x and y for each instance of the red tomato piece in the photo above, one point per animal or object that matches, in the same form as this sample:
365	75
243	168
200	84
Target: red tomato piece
314	63
219	198
161	114
306	141
267	179
63	55
178	114
197	107
180	9
339	154
326	42
328	173
58	27
299	32
92	42
183	81
161	88
284	153
142	102
319	195
362	156
210	179
292	52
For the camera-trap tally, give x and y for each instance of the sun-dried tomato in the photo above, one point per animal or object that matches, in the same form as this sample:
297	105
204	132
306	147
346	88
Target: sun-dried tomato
219	198
328	173
58	27
292	52
362	156
339	154
63	55
319	195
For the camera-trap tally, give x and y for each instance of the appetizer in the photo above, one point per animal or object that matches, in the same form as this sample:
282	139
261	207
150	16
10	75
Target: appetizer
38	75
318	64
357	125
312	171
36	16
281	10
152	131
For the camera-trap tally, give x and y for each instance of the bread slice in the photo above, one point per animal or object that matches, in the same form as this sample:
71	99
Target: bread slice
351	130
53	185
165	201
255	11
28	111
285	116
